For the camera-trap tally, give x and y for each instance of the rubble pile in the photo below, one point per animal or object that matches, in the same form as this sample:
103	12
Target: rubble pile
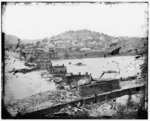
43	100
102	110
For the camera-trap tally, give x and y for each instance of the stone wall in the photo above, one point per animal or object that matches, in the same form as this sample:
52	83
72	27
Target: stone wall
73	79
98	88
59	69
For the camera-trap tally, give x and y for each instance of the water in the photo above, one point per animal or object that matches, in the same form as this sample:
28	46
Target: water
124	65
23	85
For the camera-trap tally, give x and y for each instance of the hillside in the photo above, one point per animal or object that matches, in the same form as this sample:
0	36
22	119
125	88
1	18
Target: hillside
82	44
93	40
82	36
11	40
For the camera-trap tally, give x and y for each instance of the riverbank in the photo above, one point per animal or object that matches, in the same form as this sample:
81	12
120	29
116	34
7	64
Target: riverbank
102	56
47	99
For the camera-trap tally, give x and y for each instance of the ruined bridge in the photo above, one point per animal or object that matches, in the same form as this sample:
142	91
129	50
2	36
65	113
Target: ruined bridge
86	100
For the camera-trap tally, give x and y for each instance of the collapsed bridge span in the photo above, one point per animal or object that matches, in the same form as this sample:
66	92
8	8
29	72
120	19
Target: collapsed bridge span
101	97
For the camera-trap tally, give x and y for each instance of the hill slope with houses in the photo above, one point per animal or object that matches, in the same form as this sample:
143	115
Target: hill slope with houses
91	40
82	43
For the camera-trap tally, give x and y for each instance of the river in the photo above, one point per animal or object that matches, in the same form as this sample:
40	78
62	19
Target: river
124	65
24	85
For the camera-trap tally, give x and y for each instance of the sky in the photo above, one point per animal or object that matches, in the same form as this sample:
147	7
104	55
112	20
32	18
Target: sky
36	21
